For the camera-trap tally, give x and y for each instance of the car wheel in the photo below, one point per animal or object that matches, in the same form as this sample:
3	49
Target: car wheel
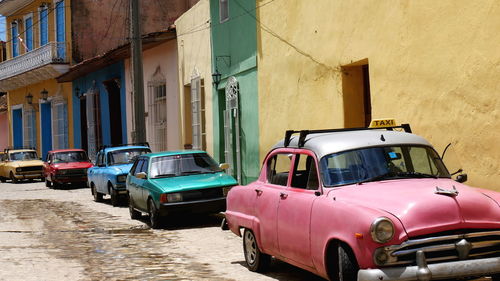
255	259
154	216
48	183
495	277
2	179
347	268
12	178
114	196
134	214
97	195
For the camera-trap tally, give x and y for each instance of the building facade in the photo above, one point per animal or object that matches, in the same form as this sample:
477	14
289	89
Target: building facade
431	64
195	77
235	99
161	100
38	41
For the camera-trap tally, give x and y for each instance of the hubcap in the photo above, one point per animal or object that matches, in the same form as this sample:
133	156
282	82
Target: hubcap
250	247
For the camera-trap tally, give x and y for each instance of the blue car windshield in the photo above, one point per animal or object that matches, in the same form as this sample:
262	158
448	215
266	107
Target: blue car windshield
183	164
125	156
24	155
381	163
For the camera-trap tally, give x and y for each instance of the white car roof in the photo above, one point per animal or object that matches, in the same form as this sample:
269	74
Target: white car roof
327	143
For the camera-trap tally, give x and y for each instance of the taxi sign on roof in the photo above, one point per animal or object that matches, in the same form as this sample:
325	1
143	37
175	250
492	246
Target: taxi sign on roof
382	123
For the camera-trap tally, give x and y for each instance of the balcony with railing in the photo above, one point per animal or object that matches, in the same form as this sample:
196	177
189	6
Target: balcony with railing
46	62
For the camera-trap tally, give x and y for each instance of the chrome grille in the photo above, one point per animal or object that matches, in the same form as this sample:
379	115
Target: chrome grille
31	169
453	247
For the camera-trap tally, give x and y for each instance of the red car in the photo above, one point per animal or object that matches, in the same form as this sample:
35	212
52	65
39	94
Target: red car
66	166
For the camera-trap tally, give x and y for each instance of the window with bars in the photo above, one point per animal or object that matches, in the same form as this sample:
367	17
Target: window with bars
43	28
198	114
59	125
223	10
28	33
29	126
157	114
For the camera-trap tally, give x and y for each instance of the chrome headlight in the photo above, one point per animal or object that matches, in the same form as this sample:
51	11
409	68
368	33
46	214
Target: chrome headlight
121	178
382	230
174	197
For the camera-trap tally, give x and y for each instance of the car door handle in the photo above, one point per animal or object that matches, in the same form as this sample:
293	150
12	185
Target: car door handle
259	192
283	195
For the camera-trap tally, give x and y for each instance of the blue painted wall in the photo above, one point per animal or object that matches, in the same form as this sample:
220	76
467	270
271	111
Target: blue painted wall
46	122
84	83
17	127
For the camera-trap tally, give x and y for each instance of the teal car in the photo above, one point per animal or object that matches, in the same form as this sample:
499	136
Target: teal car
176	182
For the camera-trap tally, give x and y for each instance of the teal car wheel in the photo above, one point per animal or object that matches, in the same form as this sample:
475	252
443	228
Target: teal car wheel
134	214
154	216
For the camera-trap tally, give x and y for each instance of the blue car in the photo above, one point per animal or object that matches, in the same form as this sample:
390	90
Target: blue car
109	174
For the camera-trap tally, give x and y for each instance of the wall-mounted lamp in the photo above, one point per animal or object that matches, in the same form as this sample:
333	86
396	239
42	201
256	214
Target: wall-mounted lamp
29	98
216	77
45	94
78	94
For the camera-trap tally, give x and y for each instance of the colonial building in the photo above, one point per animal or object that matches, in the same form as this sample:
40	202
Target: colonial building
101	78
37	50
235	99
195	77
433	64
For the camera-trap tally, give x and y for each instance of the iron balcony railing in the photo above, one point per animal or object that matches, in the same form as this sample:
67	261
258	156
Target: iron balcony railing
53	52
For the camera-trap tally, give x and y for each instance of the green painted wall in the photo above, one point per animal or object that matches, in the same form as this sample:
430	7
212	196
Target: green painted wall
234	53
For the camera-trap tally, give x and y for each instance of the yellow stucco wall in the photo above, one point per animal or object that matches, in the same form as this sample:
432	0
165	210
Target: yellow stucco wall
33	10
433	64
194	49
17	97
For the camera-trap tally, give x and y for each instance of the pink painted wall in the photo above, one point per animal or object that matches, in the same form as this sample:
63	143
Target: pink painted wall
165	57
4	130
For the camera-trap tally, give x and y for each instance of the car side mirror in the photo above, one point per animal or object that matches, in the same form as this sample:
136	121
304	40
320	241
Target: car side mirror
141	175
224	166
461	178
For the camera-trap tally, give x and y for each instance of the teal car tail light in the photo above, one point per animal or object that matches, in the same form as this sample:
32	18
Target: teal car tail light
170	197
121	178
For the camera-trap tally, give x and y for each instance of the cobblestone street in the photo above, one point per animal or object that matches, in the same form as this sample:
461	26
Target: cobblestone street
63	234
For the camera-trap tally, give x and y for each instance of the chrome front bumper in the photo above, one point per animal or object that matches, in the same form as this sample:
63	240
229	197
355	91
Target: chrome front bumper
424	272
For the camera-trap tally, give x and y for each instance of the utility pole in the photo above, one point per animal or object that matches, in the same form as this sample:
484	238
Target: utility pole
137	74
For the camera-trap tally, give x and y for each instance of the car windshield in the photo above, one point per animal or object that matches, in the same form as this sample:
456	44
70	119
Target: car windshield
125	156
183	164
381	163
24	155
70	156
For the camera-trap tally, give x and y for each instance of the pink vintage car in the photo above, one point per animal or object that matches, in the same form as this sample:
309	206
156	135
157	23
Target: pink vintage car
365	204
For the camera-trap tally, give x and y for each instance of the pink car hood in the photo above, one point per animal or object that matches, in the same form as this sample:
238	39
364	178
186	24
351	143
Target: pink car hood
420	209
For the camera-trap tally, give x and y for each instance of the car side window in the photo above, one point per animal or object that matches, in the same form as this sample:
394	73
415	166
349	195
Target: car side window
138	168
100	159
144	167
305	173
278	168
134	167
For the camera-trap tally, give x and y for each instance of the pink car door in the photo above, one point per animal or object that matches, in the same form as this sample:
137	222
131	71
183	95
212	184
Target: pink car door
268	196
294	210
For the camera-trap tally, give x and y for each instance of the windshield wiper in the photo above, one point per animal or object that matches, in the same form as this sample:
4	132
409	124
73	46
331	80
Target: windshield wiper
377	178
191	172
165	176
416	175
